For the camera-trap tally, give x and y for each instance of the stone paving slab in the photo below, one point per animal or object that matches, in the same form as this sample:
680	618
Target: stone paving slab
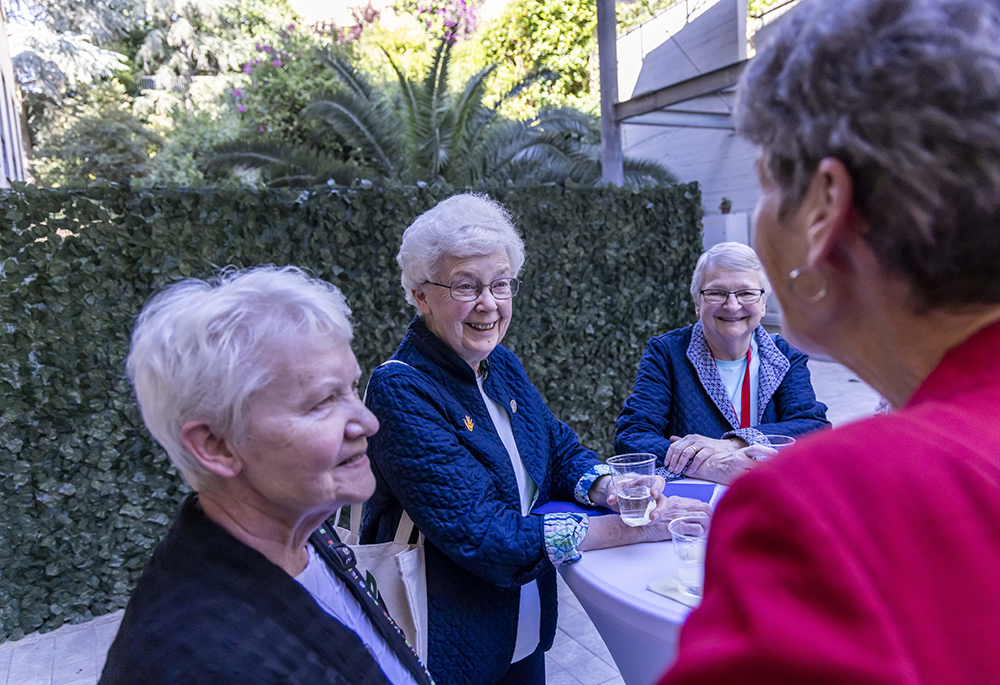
74	655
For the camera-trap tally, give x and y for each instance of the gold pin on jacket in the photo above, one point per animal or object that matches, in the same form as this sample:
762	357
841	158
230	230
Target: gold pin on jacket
468	422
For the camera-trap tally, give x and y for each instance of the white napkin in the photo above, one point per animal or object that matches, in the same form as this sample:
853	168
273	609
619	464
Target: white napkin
669	587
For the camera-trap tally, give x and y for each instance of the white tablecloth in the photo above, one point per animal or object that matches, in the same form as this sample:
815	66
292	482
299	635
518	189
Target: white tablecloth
639	627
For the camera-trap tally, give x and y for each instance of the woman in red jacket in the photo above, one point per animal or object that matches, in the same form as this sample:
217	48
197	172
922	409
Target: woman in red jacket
870	553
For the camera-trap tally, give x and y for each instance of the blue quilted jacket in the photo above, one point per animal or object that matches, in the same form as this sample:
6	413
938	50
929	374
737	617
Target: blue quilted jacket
678	391
438	456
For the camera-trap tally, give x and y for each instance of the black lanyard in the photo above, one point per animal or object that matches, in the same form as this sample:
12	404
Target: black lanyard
340	558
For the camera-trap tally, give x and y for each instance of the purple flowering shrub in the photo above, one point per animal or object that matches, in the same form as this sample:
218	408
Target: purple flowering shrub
454	19
283	77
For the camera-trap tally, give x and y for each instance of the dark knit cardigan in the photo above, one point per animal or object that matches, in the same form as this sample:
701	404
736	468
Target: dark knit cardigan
210	609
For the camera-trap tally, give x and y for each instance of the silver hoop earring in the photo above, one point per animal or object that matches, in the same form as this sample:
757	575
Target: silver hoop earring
807	284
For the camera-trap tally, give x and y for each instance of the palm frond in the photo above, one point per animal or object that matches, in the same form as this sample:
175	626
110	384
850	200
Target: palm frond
470	102
407	93
348	75
246	156
363	125
425	132
433	101
537	74
285	166
645	172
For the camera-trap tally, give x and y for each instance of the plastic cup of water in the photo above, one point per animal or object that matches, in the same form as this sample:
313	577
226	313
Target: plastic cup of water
690	536
632	477
777	442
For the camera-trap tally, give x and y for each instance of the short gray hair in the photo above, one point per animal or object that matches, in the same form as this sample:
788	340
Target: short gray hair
733	256
465	225
906	94
200	349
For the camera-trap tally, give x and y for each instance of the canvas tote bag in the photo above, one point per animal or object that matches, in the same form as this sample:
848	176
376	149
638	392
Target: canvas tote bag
394	571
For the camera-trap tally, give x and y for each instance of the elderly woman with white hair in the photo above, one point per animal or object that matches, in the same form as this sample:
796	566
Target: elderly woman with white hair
468	449
706	391
250	385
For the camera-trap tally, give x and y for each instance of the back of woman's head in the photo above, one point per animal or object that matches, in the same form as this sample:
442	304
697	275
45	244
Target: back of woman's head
201	349
906	93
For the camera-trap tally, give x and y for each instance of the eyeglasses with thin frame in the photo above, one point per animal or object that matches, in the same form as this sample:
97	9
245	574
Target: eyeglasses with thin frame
746	296
466	291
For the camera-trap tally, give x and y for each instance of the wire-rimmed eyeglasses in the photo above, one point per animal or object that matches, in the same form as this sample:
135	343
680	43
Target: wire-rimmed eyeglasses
466	291
745	296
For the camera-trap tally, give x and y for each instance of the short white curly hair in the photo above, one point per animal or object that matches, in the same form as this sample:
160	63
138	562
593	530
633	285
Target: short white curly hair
733	256
464	225
201	349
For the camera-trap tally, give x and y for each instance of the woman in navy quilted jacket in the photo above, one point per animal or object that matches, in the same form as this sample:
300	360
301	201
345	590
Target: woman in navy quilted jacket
468	449
706	391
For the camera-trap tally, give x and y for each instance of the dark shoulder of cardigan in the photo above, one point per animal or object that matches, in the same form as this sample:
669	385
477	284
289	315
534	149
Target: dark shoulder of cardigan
209	609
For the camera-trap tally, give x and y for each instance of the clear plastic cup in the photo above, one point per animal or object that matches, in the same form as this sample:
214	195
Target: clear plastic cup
632	477
690	536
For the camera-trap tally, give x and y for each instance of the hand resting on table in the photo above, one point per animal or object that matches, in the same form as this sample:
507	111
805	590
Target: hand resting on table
719	461
609	531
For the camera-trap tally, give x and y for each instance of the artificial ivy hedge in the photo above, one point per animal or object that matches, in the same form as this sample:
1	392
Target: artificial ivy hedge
85	494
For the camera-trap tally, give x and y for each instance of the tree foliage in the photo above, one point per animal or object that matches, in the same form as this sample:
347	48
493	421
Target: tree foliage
454	19
562	36
114	146
280	80
559	34
167	61
424	131
755	7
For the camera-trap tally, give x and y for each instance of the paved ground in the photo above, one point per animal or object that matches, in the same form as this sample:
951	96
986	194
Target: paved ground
74	655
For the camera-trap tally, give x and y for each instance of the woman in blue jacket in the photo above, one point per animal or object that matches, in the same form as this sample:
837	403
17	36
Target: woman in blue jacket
705	391
468	448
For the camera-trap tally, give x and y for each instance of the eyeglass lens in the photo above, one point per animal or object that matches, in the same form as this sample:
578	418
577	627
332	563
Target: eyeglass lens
501	288
722	296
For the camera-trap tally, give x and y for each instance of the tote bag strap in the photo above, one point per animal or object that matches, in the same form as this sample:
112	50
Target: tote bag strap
387	361
403	530
405	527
356	511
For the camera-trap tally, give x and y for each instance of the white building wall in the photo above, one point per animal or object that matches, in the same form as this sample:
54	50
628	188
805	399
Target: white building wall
12	162
690	38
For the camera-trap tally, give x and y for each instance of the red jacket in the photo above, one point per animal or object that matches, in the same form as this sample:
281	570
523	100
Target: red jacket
867	554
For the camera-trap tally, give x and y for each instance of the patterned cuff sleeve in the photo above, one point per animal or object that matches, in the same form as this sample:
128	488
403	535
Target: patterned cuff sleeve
584	484
563	534
751	436
668	476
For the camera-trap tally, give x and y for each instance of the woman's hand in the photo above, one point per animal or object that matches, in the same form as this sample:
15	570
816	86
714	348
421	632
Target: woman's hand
602	493
712	459
727	467
609	531
669	508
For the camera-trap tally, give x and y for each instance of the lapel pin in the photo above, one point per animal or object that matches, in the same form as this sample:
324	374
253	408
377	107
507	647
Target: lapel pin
513	406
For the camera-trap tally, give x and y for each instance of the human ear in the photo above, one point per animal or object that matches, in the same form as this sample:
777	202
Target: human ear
421	298
211	450
831	221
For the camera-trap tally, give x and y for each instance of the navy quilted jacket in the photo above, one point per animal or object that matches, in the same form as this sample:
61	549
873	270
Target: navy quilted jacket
438	456
678	392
